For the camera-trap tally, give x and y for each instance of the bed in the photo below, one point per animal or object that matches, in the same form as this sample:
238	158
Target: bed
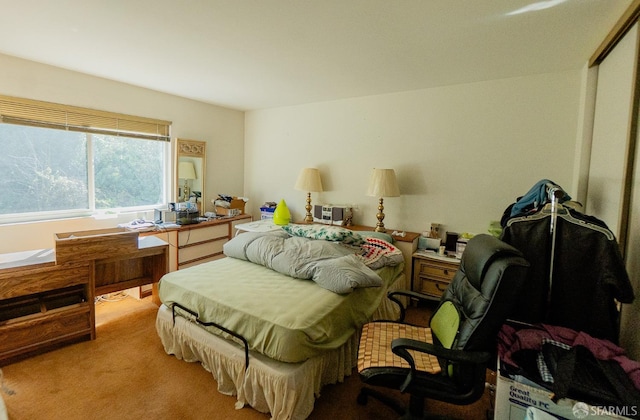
280	316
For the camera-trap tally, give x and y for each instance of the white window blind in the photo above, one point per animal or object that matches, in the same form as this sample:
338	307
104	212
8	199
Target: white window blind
51	115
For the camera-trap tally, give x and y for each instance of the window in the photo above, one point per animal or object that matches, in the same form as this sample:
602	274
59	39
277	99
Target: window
59	161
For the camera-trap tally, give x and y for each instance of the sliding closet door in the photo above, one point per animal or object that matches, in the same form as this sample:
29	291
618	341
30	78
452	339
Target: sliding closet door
630	322
613	189
613	134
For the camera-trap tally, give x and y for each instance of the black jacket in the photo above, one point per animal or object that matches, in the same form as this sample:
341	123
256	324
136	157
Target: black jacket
588	273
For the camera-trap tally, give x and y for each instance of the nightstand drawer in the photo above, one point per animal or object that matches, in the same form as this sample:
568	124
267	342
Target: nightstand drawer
431	287
432	274
434	269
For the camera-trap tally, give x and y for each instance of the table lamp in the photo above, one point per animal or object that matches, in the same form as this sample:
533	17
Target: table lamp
309	181
382	183
186	171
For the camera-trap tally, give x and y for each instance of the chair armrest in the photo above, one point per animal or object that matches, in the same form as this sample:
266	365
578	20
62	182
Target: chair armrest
401	347
463	356
421	297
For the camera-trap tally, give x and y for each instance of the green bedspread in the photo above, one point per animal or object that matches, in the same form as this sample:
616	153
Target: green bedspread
285	318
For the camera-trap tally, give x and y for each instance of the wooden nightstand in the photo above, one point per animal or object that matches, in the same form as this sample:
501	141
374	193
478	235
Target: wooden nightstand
433	273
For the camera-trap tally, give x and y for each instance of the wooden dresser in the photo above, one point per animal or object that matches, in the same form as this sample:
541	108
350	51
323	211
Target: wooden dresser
433	273
197	243
203	242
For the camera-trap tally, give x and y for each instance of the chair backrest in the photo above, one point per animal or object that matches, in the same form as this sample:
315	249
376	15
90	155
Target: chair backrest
483	292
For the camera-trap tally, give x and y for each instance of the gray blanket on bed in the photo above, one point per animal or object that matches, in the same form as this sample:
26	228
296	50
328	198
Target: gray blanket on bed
331	265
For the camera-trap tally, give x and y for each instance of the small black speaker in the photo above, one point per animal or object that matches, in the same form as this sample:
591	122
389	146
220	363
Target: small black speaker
452	240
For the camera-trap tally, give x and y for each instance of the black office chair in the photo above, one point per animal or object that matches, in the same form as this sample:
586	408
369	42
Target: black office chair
447	361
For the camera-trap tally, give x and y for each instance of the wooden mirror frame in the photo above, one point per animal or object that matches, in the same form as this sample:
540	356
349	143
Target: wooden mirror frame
195	152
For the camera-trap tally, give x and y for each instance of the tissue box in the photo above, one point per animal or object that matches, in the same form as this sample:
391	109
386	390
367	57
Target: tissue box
266	212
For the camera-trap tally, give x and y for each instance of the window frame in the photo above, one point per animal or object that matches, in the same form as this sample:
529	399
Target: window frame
28	112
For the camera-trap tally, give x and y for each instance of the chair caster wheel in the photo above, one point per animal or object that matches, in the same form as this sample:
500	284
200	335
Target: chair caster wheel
362	398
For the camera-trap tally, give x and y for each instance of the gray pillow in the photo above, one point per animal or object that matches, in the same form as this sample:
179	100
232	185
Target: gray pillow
343	275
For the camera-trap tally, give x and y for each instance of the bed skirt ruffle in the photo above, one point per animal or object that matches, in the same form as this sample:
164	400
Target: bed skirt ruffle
286	390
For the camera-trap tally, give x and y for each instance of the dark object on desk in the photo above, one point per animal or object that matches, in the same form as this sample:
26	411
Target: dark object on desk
451	241
448	361
187	217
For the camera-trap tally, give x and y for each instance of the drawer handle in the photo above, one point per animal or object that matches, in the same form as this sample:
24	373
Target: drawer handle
440	288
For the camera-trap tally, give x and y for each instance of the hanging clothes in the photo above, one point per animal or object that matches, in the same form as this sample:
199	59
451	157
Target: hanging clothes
536	197
576	275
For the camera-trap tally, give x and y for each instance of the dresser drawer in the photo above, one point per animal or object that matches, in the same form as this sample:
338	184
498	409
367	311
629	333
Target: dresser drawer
196	235
200	251
31	332
196	262
14	283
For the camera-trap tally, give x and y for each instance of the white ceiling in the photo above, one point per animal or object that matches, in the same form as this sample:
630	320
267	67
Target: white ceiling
252	54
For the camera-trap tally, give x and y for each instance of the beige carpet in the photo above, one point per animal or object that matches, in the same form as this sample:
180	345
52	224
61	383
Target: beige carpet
125	374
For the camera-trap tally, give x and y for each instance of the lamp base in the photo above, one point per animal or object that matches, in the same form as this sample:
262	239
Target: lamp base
380	215
186	192
308	217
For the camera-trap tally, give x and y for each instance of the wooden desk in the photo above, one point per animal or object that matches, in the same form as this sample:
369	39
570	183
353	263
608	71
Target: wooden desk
44	305
144	266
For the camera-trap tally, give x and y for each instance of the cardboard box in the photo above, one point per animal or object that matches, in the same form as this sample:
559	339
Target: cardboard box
236	207
221	211
513	397
94	244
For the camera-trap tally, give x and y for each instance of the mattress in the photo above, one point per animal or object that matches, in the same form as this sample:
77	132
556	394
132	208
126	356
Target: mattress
286	319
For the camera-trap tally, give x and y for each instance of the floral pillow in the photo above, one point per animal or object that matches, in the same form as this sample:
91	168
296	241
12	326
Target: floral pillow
325	232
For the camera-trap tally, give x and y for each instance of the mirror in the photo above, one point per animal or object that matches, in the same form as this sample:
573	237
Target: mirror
190	172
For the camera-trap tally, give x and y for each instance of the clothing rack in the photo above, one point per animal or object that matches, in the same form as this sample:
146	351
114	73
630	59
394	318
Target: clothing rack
555	193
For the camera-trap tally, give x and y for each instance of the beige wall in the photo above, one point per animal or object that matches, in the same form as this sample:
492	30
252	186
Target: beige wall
221	128
461	153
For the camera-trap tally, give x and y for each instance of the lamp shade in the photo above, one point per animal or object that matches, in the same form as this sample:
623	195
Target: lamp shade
383	183
309	180
186	170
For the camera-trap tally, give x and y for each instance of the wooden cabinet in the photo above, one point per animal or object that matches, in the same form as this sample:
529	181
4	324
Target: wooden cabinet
44	305
432	273
203	242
